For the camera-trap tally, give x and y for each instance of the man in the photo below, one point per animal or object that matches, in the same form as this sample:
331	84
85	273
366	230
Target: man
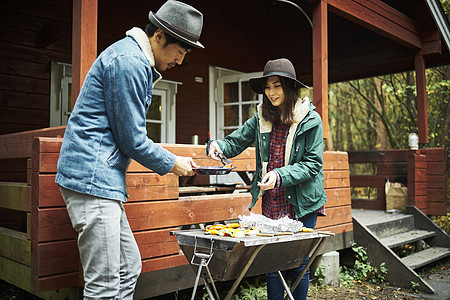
105	131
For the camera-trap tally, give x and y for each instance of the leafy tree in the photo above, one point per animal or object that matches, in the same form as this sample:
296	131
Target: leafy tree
381	112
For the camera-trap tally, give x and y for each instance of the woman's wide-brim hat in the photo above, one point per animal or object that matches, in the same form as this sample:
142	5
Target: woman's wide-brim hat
277	67
179	20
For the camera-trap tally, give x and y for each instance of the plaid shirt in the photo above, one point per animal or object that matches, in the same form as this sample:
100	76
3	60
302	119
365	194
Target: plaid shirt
274	202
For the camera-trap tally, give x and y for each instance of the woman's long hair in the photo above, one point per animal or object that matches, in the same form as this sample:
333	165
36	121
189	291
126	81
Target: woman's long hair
286	115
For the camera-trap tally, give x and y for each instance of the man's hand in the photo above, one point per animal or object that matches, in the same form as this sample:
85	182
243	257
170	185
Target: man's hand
213	150
269	181
183	166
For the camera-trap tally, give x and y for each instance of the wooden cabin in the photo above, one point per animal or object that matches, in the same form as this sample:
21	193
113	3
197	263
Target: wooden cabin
47	47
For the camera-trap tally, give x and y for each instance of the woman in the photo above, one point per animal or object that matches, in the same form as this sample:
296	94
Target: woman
288	135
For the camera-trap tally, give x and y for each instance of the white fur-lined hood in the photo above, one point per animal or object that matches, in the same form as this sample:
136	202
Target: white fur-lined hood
141	38
301	109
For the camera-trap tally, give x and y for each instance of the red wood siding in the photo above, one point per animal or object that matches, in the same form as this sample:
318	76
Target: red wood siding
45	34
32	33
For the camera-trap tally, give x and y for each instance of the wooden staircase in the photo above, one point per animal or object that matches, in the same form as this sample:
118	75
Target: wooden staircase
380	232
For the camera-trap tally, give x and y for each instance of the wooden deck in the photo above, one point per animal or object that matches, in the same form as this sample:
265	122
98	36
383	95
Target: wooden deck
38	250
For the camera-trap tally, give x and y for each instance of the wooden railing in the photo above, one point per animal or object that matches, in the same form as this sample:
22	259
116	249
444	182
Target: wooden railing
38	244
422	171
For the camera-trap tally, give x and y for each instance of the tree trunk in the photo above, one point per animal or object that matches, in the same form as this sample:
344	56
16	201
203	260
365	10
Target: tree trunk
380	103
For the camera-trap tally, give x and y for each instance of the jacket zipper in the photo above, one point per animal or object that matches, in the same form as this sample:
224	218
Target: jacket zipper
260	146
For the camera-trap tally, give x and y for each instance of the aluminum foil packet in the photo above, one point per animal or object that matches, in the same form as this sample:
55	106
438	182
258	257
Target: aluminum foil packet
271	226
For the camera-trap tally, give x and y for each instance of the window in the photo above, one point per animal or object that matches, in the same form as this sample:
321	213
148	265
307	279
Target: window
161	116
60	93
156	117
232	101
66	98
237	102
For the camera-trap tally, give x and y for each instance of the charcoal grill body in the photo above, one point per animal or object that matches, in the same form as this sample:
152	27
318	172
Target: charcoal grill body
233	258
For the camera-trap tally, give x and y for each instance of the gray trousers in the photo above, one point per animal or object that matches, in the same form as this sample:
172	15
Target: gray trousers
108	251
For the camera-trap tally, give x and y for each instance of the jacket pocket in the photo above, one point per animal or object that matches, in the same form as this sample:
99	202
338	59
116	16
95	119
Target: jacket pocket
308	191
117	159
299	149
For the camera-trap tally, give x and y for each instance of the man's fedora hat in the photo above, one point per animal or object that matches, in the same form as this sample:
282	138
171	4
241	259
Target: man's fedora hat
180	20
277	67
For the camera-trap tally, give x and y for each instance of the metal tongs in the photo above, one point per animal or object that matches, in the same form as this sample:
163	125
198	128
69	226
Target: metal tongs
225	161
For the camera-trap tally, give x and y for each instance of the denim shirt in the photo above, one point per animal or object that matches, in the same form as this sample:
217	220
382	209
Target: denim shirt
107	126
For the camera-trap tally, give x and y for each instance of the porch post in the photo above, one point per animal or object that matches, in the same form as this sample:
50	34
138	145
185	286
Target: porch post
422	122
417	180
84	42
320	62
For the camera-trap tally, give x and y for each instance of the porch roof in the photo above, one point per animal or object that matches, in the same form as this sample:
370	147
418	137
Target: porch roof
365	38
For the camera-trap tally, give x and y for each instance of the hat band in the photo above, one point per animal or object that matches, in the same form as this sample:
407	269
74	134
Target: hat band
274	73
178	31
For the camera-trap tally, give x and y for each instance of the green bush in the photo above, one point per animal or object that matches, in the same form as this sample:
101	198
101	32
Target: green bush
252	289
362	269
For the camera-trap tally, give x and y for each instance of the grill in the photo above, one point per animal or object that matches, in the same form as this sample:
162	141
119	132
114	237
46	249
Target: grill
217	258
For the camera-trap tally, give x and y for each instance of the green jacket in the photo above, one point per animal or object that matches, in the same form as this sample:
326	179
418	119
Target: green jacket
302	175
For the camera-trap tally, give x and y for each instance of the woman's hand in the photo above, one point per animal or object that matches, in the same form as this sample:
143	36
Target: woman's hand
268	182
183	166
213	150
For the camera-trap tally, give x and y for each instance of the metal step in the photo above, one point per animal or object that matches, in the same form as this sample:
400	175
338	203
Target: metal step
406	238
427	256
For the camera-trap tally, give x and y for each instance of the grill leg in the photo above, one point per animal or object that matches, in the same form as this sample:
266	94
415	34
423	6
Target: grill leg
242	274
208	289
311	260
216	293
286	287
202	262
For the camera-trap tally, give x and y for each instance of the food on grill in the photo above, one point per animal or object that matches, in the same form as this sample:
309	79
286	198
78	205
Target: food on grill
226	232
216	227
238	233
306	229
251	232
231	229
259	225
